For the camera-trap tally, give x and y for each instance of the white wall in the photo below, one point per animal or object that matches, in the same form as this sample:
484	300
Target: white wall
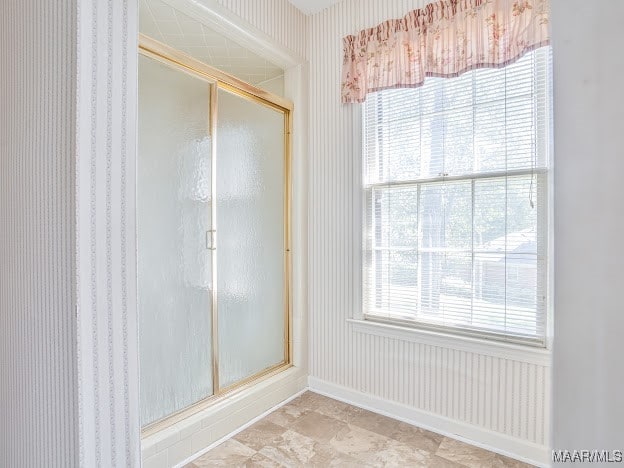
68	392
493	395
588	385
38	394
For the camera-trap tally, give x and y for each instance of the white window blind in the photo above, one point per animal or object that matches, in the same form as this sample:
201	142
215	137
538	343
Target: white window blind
456	183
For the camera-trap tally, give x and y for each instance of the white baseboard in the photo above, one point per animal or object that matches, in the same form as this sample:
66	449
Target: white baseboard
519	449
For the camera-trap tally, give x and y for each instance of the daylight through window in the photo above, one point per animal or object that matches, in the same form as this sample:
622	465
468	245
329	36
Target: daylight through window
456	182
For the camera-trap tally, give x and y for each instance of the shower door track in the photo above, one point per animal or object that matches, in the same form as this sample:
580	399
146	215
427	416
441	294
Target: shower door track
220	80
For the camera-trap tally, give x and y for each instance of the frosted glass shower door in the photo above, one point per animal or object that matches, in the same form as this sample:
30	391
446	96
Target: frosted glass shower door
250	225
173	218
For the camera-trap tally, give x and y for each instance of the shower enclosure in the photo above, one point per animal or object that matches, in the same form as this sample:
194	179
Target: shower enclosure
213	196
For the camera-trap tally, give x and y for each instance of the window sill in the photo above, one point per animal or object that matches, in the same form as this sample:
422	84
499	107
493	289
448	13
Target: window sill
529	354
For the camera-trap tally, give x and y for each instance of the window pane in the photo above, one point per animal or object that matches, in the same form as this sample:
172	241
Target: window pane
458	91
393	143
505	267
458	216
489	137
396	211
401	144
459	136
489	213
432	146
395	274
520	134
446	288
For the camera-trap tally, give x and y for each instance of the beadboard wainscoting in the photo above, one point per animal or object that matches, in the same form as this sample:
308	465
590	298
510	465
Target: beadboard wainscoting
500	400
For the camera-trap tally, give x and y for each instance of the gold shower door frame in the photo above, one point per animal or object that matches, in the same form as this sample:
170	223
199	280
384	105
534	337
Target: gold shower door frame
220	80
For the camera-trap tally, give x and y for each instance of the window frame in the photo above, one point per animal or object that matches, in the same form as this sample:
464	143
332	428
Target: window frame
543	180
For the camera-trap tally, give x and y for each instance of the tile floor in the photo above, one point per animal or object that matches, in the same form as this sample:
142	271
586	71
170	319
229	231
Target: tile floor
313	430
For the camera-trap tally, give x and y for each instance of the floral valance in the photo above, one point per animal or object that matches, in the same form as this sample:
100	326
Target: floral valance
444	39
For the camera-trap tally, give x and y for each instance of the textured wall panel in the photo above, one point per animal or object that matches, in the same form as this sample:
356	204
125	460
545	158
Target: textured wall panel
277	18
38	394
501	395
105	239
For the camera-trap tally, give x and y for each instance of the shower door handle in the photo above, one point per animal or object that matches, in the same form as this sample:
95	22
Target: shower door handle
211	239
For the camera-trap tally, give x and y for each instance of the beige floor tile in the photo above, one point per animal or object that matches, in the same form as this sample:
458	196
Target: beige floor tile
260	461
262	433
416	437
370	421
229	453
329	406
378	450
405	433
331	457
287	414
318	426
439	462
316	431
501	461
298	450
294	449
465	454
307	400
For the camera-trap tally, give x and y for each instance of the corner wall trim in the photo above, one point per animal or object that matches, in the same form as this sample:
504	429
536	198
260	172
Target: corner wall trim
523	450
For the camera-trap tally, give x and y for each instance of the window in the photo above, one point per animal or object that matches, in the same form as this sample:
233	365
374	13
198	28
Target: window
456	185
